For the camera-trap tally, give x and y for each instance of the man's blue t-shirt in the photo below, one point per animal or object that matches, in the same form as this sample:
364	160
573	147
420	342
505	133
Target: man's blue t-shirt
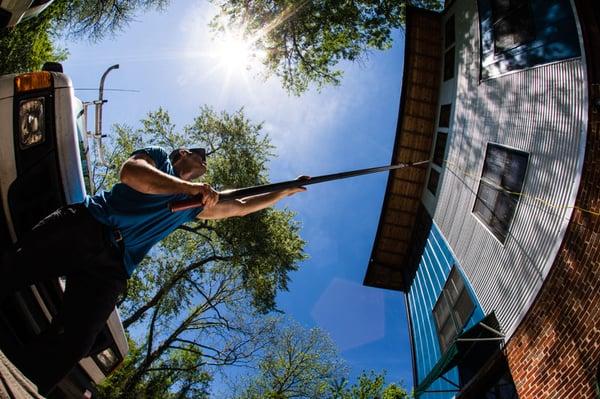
142	219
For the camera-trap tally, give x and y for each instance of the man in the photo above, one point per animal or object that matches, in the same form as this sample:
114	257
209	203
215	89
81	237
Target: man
97	245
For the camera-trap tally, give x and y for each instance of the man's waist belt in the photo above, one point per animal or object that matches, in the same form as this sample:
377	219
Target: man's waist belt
118	239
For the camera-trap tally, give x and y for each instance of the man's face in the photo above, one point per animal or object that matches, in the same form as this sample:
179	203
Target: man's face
191	165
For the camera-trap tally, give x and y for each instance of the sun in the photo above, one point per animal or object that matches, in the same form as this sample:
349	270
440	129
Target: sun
222	53
234	52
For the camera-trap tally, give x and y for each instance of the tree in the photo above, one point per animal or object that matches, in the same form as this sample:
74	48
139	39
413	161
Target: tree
159	384
296	363
201	294
95	19
369	386
304	363
304	40
394	391
176	354
27	46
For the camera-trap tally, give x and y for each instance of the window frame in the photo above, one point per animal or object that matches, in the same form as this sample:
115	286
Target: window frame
449	50
501	190
435	168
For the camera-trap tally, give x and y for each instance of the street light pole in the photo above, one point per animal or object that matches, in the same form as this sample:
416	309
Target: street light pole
98	131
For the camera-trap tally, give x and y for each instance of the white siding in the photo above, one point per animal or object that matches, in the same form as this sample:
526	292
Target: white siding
541	111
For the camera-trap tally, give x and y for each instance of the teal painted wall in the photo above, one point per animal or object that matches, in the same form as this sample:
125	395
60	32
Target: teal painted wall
435	266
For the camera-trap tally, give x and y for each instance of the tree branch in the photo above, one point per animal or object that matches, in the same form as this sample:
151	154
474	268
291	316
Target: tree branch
164	289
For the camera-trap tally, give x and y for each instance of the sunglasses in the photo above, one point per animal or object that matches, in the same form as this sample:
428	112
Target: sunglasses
199	151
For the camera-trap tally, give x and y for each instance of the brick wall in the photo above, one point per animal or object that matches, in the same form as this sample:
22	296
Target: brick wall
555	352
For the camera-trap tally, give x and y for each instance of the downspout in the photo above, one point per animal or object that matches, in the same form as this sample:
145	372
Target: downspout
412	340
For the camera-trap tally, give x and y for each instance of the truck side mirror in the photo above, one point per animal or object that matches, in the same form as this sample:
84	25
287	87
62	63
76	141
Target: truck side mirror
52	67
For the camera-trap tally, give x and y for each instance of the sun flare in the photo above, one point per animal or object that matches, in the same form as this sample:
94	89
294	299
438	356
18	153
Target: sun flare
234	52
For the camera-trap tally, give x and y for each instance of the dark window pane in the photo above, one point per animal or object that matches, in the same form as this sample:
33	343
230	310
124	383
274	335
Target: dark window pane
449	64
434	179
486	201
440	318
516	166
504	210
494	165
500	8
440	148
513	24
441	312
447	334
464	308
452	291
445	115
457	281
450	35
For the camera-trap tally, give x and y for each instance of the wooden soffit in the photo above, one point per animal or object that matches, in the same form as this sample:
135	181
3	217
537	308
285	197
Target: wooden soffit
414	138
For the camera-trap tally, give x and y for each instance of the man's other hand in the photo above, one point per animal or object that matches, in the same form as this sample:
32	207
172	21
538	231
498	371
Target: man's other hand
210	197
294	190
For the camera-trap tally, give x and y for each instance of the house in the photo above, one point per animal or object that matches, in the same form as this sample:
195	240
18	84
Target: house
496	242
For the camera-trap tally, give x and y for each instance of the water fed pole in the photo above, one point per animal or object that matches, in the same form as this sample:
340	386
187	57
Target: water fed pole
229	195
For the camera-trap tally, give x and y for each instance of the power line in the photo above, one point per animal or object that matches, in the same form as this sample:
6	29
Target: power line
96	89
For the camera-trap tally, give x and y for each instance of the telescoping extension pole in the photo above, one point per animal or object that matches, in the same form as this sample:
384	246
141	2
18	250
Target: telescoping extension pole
196	202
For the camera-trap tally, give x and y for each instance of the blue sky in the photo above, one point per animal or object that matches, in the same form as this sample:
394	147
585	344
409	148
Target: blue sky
167	56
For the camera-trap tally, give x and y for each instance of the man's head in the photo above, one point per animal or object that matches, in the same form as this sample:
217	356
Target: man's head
189	163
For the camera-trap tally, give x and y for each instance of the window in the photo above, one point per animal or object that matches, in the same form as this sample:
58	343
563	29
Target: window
449	64
434	180
445	115
449	39
521	34
499	188
512	23
450	34
440	148
452	310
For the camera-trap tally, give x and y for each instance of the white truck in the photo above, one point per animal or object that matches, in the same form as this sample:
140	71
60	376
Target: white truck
44	157
14	11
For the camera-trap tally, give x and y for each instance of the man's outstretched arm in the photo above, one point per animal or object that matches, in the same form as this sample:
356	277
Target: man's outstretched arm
245	206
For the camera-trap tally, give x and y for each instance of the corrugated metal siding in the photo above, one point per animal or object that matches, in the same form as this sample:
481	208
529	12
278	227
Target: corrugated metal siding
436	264
540	111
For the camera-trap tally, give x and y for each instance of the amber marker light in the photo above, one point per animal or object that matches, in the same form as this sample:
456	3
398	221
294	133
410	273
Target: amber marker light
33	81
